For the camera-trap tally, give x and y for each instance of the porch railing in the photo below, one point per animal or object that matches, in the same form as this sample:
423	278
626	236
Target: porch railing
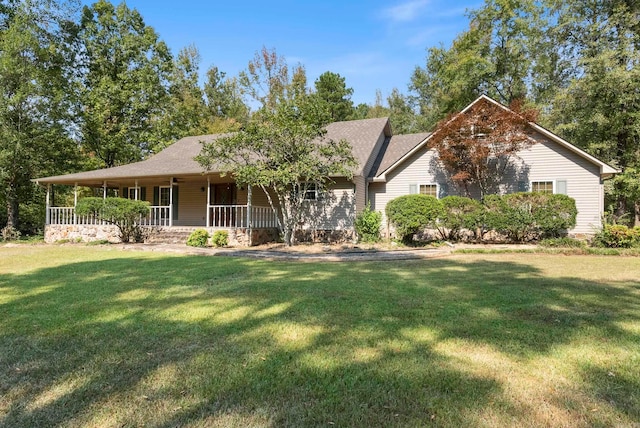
220	216
235	216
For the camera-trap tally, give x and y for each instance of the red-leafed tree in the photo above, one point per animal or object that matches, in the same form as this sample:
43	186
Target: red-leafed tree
476	146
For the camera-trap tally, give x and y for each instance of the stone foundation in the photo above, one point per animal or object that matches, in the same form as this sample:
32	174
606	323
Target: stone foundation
80	233
90	233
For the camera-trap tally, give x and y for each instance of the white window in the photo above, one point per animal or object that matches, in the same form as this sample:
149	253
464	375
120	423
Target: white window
310	191
543	186
429	189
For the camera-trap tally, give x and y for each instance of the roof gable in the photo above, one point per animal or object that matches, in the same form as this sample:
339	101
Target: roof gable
605	170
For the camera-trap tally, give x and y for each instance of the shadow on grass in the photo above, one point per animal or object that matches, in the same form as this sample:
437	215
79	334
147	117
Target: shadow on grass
198	340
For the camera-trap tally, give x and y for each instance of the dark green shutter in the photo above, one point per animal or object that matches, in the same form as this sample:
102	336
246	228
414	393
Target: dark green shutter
523	186
156	195
125	192
413	189
175	202
143	194
561	187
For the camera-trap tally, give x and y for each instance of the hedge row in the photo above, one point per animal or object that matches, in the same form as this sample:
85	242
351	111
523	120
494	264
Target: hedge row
518	217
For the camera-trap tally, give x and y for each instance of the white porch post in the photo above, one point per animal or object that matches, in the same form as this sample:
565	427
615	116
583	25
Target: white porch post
135	191
249	209
104	190
75	203
208	201
171	202
48	205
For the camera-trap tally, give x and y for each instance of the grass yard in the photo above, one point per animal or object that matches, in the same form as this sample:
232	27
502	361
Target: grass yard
98	337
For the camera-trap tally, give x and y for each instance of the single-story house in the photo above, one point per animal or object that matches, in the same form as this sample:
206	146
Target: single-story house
184	197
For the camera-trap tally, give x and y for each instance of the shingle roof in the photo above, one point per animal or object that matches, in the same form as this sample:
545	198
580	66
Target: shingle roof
177	159
394	148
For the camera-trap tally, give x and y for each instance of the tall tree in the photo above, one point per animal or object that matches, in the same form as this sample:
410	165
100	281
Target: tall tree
332	90
268	81
505	54
600	108
125	87
224	98
476	146
35	71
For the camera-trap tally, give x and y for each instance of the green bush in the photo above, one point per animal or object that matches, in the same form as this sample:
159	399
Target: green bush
529	216
553	214
220	238
410	214
368	224
564	242
510	215
459	213
124	213
198	238
617	236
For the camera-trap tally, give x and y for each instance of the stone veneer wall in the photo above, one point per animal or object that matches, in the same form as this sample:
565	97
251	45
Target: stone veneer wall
80	233
89	233
240	237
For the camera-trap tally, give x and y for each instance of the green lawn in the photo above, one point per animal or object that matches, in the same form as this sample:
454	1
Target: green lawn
99	337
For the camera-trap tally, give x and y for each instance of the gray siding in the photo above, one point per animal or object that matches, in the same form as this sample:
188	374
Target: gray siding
549	161
544	161
335	209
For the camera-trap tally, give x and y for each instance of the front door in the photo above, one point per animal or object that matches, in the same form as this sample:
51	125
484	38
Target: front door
223	197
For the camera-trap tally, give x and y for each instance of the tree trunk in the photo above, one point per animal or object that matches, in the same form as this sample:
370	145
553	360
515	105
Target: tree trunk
12	207
636	209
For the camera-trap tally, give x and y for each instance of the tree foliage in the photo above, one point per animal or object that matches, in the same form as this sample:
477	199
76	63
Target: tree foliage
125	85
477	146
278	151
36	100
331	89
124	213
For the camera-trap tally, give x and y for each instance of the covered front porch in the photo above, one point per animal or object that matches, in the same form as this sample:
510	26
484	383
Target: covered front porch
176	204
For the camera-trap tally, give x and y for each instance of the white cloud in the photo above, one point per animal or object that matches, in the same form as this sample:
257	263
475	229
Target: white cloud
405	12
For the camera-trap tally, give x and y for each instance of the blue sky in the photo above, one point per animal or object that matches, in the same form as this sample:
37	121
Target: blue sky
374	44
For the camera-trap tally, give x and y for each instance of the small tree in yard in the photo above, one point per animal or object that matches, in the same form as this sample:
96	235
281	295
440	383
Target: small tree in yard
476	146
123	213
283	151
368	224
410	214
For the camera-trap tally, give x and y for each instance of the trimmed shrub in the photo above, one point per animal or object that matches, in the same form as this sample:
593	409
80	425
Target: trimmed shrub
510	215
553	214
617	236
198	238
368	224
529	216
220	238
410	214
459	213
123	213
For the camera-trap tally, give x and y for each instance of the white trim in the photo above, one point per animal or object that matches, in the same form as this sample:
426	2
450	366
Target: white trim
136	193
314	189
430	184
605	170
553	185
